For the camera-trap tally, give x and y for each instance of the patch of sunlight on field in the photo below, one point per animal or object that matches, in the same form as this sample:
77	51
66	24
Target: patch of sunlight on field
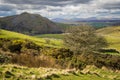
114	42
55	36
39	41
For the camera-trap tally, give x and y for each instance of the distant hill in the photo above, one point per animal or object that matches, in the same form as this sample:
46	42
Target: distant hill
29	24
93	21
64	21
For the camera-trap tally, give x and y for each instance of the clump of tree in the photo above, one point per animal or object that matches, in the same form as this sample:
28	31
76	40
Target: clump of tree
83	39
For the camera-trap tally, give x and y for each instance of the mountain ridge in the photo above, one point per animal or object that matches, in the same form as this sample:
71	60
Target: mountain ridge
29	24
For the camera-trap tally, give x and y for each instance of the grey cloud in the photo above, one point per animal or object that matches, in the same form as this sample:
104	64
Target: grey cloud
20	7
38	4
57	7
54	10
33	7
47	2
112	6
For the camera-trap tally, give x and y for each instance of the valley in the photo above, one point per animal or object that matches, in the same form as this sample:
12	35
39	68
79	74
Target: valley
33	47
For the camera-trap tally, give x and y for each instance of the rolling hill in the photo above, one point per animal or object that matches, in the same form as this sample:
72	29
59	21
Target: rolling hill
112	34
40	41
29	24
113	31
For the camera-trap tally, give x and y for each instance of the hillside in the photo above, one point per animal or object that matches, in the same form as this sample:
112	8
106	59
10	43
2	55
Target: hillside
39	41
29	24
112	34
113	31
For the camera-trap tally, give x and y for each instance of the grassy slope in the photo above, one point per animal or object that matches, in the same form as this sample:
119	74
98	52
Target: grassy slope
112	34
39	41
55	36
15	72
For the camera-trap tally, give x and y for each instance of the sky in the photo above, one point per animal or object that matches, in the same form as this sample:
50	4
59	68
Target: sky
66	9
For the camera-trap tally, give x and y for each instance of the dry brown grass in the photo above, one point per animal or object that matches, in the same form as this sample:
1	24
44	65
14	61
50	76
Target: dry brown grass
34	61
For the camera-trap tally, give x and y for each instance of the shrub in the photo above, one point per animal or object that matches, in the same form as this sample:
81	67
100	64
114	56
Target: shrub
77	63
4	58
99	60
62	53
17	45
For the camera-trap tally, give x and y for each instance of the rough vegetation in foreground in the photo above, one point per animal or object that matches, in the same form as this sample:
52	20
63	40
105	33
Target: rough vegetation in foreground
15	72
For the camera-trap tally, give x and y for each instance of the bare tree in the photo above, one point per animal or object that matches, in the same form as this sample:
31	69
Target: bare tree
83	40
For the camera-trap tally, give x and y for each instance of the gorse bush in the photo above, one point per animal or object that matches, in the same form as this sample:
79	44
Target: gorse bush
100	60
77	63
4	59
66	59
17	45
62	53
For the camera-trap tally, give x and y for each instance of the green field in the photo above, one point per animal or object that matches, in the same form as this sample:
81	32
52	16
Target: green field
112	35
54	36
114	42
39	41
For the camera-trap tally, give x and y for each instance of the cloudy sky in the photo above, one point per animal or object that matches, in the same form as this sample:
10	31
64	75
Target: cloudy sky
62	8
